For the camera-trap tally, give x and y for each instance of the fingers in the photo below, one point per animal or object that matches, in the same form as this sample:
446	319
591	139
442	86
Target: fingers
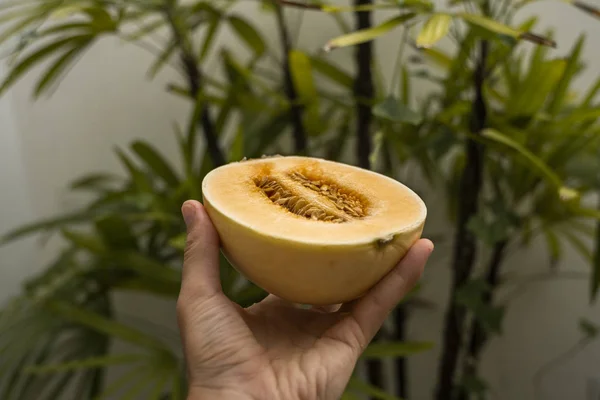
371	310
200	273
367	314
269	301
327	309
276	301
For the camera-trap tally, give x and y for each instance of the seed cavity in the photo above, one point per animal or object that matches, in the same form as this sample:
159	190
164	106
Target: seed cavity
349	203
295	204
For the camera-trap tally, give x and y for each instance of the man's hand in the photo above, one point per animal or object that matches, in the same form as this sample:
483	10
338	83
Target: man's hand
274	350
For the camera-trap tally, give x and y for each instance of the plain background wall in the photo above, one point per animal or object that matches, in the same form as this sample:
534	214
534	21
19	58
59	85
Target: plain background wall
106	100
17	260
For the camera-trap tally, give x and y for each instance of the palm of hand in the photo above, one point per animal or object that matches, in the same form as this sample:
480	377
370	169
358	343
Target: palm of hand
273	350
277	350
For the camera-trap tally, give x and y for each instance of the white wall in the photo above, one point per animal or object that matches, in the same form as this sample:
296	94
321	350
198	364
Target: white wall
106	101
16	260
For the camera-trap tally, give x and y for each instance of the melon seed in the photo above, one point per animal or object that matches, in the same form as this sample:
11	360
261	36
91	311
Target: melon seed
295	204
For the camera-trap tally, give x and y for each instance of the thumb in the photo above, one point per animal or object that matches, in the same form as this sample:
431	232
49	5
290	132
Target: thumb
200	273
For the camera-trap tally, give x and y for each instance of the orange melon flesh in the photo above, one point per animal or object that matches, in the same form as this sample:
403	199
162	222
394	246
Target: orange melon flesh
308	230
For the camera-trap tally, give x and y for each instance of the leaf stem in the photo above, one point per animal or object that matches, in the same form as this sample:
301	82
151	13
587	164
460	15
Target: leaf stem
397	63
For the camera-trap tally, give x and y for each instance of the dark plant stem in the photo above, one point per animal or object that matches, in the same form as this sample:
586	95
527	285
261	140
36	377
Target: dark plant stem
363	94
98	345
206	121
99	377
375	370
595	278
400	314
400	317
595	11
363	89
465	243
296	109
479	336
194	80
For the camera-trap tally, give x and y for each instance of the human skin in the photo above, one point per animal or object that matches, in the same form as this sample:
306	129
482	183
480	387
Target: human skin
273	349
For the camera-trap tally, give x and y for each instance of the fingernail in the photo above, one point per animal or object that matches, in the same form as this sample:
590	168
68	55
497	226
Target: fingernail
188	210
431	246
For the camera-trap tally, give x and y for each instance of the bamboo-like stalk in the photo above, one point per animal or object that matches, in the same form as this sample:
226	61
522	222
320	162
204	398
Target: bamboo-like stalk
478	336
363	93
194	81
400	318
465	243
363	88
296	110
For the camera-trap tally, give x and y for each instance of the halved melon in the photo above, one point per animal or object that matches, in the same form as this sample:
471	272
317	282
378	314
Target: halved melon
308	230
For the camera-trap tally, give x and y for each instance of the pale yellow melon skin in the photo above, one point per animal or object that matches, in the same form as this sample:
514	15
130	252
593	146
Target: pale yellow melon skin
310	273
307	273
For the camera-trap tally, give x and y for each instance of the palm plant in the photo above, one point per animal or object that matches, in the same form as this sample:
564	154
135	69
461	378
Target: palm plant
130	236
517	175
